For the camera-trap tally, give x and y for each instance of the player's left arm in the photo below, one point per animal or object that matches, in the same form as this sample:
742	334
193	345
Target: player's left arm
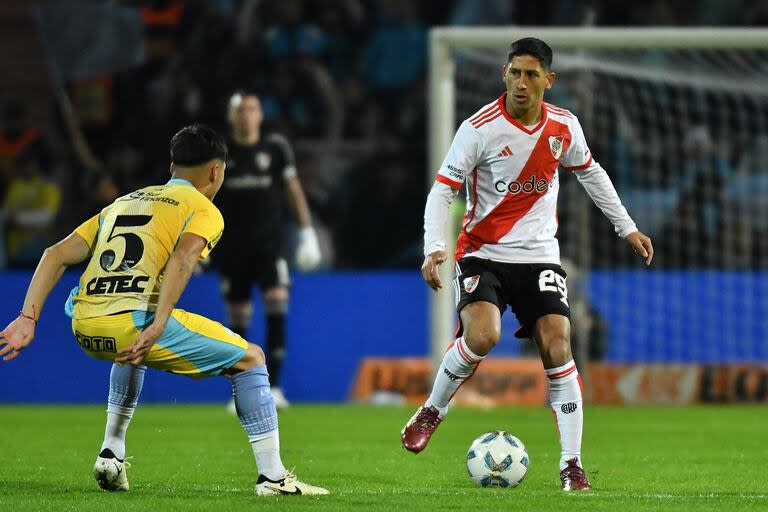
55	260
308	253
597	183
298	201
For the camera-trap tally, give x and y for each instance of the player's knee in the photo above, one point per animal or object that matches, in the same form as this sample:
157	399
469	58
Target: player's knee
553	335
276	294
276	301
559	351
482	340
253	357
555	347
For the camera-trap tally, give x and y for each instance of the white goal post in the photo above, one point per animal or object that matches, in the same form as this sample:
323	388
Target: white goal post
445	41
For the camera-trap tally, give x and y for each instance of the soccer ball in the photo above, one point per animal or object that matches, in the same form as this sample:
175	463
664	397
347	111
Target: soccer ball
497	459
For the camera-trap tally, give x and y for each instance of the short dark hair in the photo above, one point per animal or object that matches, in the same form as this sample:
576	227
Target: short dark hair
533	47
197	144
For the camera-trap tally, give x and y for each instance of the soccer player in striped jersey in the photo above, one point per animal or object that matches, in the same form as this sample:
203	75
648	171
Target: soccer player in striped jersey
510	154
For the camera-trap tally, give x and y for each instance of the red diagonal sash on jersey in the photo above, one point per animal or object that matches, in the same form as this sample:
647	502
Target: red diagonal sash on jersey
513	207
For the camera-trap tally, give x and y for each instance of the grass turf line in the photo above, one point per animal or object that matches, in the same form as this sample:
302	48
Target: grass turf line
197	458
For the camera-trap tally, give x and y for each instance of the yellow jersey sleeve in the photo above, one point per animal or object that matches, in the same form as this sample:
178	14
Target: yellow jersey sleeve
89	231
207	222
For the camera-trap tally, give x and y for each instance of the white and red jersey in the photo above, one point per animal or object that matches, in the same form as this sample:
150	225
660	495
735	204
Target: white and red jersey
512	182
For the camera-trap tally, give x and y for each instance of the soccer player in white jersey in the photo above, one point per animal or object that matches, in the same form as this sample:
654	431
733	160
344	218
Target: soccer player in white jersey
510	154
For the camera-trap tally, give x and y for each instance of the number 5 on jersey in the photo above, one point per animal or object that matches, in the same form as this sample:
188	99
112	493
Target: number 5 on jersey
134	247
551	281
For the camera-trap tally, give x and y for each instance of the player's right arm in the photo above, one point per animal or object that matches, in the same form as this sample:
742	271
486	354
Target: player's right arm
436	214
72	250
462	157
308	254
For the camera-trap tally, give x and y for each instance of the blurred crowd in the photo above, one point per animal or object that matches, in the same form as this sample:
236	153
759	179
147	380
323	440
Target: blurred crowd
343	80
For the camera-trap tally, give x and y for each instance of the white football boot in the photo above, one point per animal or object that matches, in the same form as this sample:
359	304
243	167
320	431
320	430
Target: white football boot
110	472
290	484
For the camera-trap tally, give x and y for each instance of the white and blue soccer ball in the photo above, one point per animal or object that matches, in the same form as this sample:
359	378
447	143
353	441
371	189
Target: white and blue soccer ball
497	459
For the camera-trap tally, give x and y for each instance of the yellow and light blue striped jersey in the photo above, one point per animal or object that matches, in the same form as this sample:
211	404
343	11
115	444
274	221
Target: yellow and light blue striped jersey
131	241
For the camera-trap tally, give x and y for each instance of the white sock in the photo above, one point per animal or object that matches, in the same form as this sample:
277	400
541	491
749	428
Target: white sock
565	397
118	419
459	362
266	449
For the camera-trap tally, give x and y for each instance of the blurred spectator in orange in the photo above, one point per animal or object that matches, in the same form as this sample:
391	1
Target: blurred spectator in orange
16	136
163	28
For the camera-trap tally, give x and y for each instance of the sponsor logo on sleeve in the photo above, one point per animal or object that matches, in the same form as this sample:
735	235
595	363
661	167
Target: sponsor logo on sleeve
213	241
455	172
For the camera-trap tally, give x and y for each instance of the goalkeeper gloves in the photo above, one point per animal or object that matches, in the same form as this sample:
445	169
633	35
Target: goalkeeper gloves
308	251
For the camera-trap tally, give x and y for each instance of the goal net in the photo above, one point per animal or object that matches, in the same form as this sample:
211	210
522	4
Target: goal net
679	119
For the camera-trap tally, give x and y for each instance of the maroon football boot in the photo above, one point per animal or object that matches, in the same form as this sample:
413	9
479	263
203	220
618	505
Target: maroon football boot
420	428
573	477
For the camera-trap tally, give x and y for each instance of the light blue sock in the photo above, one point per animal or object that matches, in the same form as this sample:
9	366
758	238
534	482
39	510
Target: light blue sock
125	384
254	402
258	415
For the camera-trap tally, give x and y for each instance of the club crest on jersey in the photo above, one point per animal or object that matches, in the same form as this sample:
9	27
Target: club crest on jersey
470	283
262	160
556	146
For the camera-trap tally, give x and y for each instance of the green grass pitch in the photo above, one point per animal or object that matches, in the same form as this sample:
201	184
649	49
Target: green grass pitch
197	458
